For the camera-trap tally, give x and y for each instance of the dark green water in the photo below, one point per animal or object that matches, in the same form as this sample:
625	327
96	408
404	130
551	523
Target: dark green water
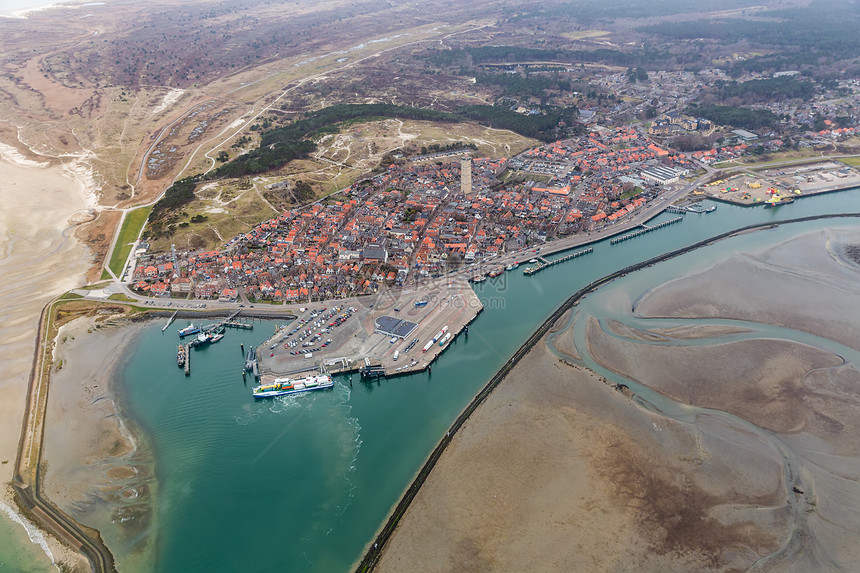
303	483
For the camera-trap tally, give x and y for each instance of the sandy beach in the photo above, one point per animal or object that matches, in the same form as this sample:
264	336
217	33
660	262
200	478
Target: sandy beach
97	471
744	454
38	260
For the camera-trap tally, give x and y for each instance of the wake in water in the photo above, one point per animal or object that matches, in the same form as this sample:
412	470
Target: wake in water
34	534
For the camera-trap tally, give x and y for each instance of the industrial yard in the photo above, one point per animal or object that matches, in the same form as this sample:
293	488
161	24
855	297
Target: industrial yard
386	335
783	184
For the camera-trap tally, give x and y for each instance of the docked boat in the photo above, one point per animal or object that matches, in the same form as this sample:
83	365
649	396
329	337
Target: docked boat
479	278
216	337
512	266
202	338
180	356
287	386
495	273
188	330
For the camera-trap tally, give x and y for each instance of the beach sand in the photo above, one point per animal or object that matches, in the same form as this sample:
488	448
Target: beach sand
745	454
96	471
38	260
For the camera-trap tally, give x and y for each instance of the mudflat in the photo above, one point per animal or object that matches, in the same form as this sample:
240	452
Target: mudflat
722	438
97	471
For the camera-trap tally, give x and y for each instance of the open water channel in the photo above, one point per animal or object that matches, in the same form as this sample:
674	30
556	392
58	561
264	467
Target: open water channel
302	483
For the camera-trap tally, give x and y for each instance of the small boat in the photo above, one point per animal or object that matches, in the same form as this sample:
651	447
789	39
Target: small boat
495	273
512	266
479	279
216	337
532	260
180	356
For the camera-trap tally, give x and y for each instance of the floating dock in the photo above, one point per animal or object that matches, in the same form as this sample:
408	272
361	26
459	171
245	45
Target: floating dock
545	263
644	229
251	362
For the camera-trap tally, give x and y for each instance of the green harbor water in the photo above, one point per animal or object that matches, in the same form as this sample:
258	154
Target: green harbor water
302	483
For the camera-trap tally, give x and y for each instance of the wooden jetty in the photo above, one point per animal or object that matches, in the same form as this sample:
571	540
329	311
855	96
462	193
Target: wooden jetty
545	263
644	229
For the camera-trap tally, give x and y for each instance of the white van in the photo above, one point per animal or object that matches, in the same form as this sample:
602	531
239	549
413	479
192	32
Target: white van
396	354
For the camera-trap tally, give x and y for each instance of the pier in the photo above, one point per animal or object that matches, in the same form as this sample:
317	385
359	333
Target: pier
644	229
545	263
237	324
169	320
188	360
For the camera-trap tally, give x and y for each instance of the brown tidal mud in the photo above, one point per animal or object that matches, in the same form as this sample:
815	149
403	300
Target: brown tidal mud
729	451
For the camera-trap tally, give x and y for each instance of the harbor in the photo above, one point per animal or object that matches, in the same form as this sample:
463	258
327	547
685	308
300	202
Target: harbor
391	334
358	445
205	335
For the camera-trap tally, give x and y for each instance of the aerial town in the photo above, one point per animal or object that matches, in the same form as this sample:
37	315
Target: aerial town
428	217
546	285
422	220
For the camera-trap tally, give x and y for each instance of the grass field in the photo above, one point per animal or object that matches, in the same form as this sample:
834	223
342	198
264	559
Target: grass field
120	296
131	226
854	161
583	34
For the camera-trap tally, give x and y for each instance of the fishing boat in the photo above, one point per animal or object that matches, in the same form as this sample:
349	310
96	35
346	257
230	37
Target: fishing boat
180	356
287	386
495	273
512	266
479	278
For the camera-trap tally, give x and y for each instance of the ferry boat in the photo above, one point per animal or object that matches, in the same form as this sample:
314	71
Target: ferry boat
287	386
512	266
188	330
180	356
